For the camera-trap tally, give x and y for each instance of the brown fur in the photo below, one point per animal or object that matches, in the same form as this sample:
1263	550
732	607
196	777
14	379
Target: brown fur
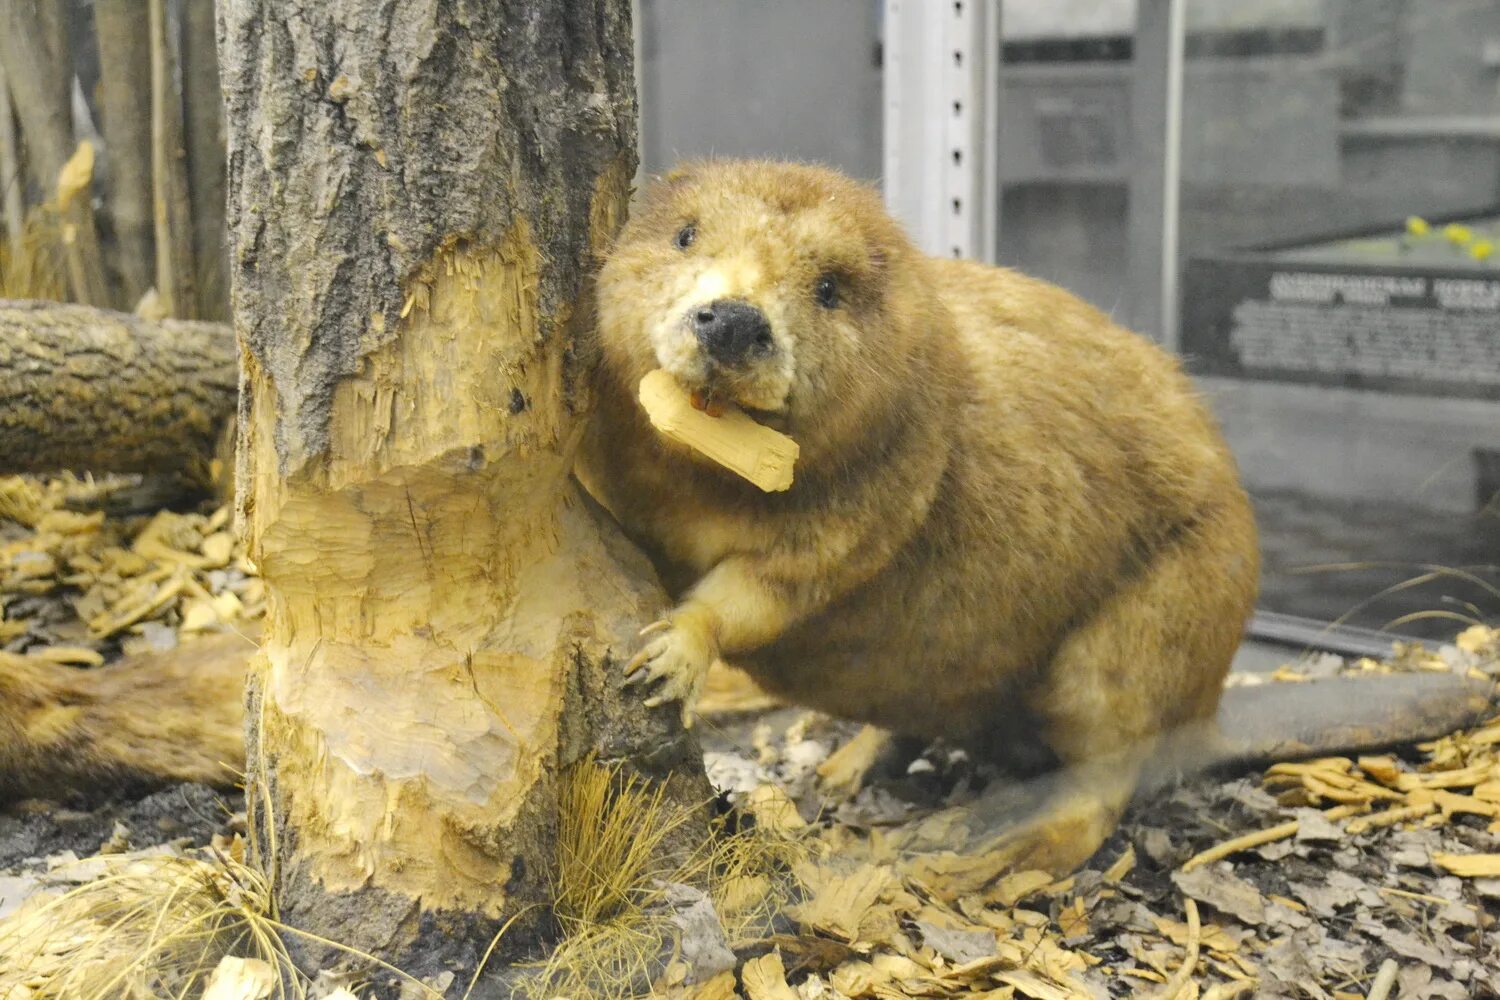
1013	524
141	722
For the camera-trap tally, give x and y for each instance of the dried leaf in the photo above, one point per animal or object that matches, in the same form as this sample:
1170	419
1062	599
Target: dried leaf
957	946
240	979
764	978
1224	891
838	901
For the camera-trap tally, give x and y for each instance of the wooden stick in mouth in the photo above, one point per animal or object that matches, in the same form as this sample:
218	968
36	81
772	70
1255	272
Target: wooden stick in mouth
763	456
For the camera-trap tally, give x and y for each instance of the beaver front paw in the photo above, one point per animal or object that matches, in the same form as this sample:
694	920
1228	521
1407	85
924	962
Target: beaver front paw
677	655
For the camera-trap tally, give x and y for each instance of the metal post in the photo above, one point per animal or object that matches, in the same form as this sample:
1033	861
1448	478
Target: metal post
1156	168
638	58
941	96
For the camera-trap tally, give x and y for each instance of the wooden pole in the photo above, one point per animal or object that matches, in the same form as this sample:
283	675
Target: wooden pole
175	282
125	97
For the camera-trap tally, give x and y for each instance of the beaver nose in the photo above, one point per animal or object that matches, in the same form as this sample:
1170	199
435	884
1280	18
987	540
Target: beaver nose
730	329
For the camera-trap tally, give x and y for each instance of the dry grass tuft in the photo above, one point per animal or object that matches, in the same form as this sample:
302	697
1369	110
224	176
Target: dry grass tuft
612	839
614	864
151	927
156	927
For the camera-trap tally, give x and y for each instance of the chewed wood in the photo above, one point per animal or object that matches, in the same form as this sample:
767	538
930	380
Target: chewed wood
764	456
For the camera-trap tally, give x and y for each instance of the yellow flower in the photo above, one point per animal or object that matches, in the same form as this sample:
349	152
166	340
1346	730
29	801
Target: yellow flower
1481	249
1458	235
1417	226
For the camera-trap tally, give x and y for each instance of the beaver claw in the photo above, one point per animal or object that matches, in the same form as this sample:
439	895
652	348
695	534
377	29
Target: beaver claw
678	657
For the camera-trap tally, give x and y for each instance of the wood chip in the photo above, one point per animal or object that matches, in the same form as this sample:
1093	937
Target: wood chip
1469	865
217	549
75	655
1259	837
1032	985
774	810
1122	866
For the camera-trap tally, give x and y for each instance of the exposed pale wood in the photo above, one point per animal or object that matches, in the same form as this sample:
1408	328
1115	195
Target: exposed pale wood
125	99
412	217
753	451
175	281
88	389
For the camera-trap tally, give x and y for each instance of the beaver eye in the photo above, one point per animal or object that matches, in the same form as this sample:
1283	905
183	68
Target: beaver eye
685	237
828	291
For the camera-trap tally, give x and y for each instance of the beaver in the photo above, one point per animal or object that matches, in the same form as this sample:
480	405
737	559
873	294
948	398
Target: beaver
1014	524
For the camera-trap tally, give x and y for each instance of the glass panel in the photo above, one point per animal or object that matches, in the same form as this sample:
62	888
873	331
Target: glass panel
776	78
1353	358
1339	191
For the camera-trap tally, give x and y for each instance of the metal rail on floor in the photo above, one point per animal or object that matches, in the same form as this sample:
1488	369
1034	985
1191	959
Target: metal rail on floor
1310	633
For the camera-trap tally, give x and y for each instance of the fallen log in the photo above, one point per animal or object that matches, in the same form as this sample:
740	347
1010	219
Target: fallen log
87	389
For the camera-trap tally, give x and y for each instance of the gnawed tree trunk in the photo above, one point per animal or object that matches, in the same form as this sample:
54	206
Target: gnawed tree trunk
417	193
125	97
88	389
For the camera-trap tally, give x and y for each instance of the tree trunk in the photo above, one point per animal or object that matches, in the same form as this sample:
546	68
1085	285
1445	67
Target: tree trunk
86	389
175	280
417	194
203	116
125	93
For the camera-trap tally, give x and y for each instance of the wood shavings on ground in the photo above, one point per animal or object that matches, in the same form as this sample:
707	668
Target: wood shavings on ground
80	583
1305	879
1300	882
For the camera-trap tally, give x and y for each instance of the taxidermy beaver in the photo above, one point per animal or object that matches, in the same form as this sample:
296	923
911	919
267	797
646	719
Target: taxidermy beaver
1013	523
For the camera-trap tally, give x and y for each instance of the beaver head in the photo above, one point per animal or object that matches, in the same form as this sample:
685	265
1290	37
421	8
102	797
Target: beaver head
782	288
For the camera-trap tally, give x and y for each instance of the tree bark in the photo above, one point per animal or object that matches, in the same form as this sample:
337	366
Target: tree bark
31	34
86	389
125	93
417	193
203	116
175	281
